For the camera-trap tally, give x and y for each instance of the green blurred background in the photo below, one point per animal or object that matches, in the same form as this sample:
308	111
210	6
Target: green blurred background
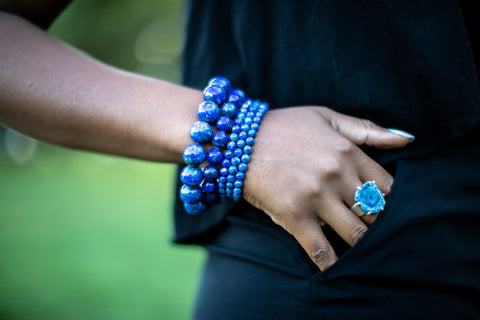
83	235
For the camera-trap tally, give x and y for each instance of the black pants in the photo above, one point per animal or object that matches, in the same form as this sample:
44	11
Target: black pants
419	260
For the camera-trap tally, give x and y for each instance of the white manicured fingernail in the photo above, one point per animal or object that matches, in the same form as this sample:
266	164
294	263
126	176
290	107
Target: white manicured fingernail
402	133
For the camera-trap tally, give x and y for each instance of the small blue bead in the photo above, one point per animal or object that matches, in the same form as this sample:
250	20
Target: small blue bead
210	173
254	126
194	154
222	179
209	187
245	127
234	99
241	143
229	193
257	120
223	171
221	185
228	154
231	145
212	197
237	197
233	137
250	141
215	156
235	161
238	152
229	110
247	149
224	124
220	139
250	114
259	114
195	208
238	121
214	94
245	158
208	111
242	167
242	135
226	163
238	184
252	133
221	191
243	109
239	92
232	169
237	191
236	129
191	176
241	115
229	185
248	121
221	82
231	178
190	194
240	175
201	132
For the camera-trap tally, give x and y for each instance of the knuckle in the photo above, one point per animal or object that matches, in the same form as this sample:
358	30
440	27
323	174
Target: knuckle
331	169
358	231
321	255
344	147
368	124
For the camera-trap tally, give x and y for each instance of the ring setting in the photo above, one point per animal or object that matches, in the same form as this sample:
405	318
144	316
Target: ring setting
369	199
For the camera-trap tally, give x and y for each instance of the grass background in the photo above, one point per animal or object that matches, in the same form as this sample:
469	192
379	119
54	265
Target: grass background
86	236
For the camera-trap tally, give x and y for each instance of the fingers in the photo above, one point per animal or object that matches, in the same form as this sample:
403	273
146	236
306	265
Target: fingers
365	132
309	234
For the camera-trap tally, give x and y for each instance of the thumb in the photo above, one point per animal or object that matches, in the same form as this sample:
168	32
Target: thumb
365	132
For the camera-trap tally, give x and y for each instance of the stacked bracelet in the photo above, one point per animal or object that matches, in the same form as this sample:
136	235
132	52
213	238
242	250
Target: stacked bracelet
223	177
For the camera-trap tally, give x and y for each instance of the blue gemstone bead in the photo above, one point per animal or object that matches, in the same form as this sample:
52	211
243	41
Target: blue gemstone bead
234	137
209	187
229	110
237	152
224	124
229	192
191	176
215	156
236	129
226	163
201	132
214	94
231	178
241	143
240	175
221	185
222	179
241	115
231	145
249	141
195	208
245	158
250	114
248	121
228	154
247	149
210	173
194	154
257	120
242	167
223	171
238	121
239	92
370	197
190	194
237	191
232	169
237	197
252	133
212	197
235	161
220	139
234	99
221	82
208	111
254	126
221	191
245	127
242	135
229	185
238	184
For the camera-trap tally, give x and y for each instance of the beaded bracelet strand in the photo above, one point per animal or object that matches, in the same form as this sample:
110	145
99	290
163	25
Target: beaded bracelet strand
223	177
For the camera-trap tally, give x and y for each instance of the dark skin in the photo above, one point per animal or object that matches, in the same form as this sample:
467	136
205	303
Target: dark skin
53	92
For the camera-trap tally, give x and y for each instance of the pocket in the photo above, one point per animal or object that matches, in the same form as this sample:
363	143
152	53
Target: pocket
364	245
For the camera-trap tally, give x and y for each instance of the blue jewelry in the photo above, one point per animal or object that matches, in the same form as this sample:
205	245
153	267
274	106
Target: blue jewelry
208	111
370	199
194	154
201	132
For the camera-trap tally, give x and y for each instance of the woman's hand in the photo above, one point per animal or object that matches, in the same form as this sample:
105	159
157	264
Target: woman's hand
305	169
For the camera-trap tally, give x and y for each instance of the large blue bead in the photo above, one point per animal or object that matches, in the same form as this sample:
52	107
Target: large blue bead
208	111
238	92
194	154
370	197
215	94
191	176
201	132
229	110
209	187
195	208
220	139
224	124
190	194
234	99
215	156
221	82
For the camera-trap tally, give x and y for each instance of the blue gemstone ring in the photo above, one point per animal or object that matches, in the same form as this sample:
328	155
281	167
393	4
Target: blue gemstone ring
369	199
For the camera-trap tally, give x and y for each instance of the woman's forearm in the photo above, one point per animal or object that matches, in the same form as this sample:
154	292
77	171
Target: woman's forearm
55	93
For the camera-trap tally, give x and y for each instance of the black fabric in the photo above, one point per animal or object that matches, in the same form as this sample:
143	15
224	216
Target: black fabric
410	64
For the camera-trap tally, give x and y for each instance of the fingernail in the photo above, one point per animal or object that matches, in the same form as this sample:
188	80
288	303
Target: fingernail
402	133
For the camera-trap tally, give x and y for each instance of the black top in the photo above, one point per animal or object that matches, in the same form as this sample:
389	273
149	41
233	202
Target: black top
412	65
